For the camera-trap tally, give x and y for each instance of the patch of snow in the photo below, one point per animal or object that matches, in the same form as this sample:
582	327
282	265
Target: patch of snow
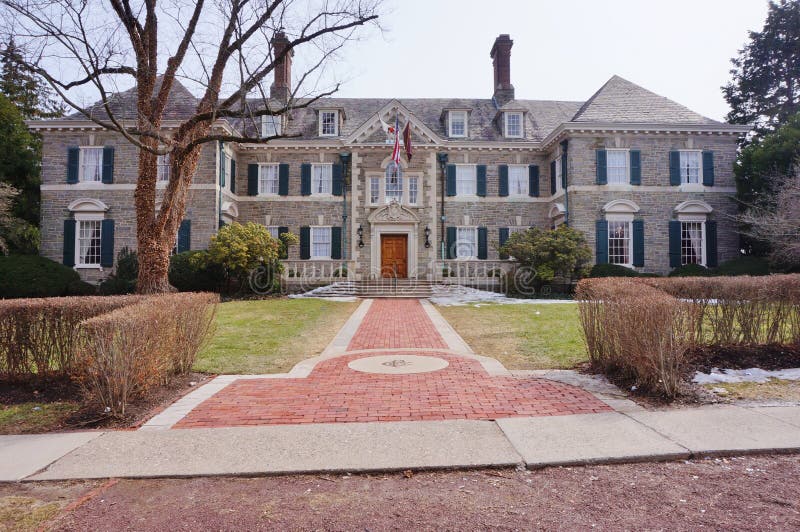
746	375
457	295
320	292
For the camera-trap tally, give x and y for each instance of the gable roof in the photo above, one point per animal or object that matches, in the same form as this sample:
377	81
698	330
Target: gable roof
180	104
621	101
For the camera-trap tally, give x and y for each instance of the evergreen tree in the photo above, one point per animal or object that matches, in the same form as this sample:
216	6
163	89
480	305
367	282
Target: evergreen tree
25	89
765	89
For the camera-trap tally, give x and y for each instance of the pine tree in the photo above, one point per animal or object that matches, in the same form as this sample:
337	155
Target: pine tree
25	89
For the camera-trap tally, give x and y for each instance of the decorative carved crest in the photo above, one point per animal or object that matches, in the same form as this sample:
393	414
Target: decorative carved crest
393	213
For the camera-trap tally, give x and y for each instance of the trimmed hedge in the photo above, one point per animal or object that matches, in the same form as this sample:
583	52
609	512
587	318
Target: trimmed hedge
34	276
691	270
755	266
612	270
187	276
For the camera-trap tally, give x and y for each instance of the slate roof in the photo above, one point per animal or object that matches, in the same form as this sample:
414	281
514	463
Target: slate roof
617	101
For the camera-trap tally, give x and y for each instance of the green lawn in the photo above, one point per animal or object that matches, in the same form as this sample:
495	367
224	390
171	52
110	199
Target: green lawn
25	418
272	335
522	336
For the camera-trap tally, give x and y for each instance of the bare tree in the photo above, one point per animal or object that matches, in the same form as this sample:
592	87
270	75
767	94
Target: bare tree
226	47
778	223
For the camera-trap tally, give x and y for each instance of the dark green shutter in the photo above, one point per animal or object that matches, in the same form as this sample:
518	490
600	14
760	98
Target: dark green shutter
708	168
282	230
483	248
675	170
602	167
233	176
502	176
252	180
69	243
107	243
480	171
451	180
504	232
451	242
73	156
305	242
638	243
552	177
305	179
636	167
184	236
283	179
674	243
533	180
337	182
711	244
108	165
336	243
564	167
601	241
222	168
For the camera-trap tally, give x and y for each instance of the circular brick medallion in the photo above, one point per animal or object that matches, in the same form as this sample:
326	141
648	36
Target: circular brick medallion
398	364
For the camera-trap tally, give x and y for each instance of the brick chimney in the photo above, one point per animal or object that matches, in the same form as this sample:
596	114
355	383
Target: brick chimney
501	60
281	88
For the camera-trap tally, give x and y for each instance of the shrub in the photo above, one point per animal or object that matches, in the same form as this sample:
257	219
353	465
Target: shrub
561	252
190	272
132	349
755	266
612	270
33	276
123	280
691	270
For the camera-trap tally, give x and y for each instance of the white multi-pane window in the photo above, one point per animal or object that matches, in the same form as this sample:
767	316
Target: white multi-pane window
690	166
518	180
163	167
458	123
619	242
91	162
617	166
374	190
320	242
413	190
394	183
270	125
328	123
273	231
88	242
513	123
466	180
268	179
558	174
693	243
466	242
321	178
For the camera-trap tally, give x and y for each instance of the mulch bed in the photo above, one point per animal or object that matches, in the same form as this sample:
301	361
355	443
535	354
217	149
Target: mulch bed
768	357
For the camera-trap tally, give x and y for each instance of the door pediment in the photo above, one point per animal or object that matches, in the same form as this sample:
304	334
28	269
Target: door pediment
393	213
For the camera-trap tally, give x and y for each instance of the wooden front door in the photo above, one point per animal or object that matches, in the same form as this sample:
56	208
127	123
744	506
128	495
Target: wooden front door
394	256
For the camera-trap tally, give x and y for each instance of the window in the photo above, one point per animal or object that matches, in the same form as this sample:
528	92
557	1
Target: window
518	180
163	167
394	183
690	167
320	242
375	190
321	178
273	231
558	174
513	123
619	243
270	125
458	123
466	242
466	180
88	244
692	243
413	190
91	162
268	179
617	167
328	123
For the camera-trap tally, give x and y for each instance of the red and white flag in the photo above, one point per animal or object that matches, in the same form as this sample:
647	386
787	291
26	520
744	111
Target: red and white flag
396	150
407	140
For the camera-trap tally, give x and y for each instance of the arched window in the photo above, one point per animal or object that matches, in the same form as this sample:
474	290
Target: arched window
394	183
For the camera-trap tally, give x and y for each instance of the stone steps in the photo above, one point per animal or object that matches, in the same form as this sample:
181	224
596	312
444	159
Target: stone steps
401	288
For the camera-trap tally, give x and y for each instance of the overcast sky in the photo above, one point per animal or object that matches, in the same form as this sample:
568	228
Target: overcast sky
563	49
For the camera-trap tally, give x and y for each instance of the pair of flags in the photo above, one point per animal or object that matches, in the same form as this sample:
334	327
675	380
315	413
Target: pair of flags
395	130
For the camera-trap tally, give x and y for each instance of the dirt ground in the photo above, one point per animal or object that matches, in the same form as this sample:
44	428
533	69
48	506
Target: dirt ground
747	493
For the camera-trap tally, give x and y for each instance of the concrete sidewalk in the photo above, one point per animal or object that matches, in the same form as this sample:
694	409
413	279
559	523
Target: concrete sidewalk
387	446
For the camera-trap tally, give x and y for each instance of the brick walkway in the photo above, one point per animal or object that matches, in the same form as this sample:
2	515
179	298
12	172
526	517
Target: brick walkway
335	393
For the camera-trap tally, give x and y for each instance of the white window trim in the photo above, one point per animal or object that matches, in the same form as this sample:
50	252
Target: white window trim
335	120
382	189
167	158
627	180
625	218
276	119
506	115
81	150
450	116
526	180
407	189
699	184
475	173
559	181
311	241
702	221
475	246
277	179
86	217
321	194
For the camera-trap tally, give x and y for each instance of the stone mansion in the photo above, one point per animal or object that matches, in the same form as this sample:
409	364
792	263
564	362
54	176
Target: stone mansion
647	180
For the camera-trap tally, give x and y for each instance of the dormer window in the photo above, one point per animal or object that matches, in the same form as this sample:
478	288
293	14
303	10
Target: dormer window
329	123
457	124
513	125
270	126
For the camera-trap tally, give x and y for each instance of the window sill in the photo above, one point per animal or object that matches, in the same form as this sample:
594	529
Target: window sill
88	267
692	187
321	258
620	186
